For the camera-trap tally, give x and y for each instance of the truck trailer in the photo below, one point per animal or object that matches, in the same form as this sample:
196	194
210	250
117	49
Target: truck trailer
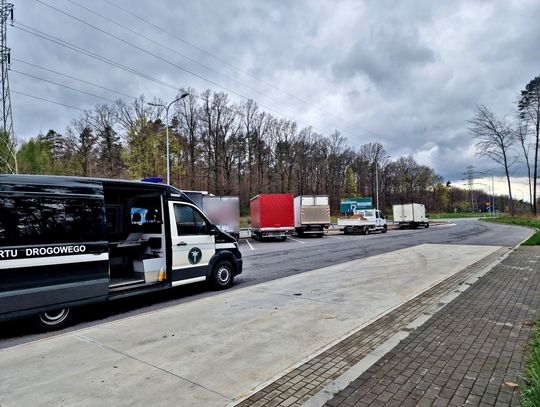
311	215
272	215
223	211
410	215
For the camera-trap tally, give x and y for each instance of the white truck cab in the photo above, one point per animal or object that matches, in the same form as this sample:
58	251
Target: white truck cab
363	222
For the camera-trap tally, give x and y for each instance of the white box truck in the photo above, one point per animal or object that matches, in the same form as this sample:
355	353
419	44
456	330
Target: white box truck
311	215
410	215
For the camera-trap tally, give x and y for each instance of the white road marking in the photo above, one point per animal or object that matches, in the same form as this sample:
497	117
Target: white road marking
296	240
249	244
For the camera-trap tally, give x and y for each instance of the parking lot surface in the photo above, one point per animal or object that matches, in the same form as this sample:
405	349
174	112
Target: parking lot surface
217	349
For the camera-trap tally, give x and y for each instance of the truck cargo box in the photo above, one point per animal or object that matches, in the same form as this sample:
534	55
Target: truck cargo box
311	214
224	212
272	215
412	214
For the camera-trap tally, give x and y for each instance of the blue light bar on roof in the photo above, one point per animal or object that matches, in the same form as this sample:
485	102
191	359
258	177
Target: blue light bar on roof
156	180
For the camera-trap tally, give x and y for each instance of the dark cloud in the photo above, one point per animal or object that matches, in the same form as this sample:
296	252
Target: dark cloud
407	74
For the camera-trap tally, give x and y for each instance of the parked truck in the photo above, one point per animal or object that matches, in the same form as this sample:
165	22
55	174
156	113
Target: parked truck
311	215
410	215
272	215
223	211
363	222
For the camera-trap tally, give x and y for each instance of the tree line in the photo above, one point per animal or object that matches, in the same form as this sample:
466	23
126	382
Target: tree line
514	140
229	148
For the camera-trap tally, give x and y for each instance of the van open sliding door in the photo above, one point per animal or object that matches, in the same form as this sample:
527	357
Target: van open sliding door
53	251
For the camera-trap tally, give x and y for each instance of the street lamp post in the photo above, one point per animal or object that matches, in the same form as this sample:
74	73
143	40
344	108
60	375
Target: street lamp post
377	182
492	189
167	130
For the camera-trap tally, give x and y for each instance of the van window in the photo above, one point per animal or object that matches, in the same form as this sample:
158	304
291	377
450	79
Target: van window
189	221
31	220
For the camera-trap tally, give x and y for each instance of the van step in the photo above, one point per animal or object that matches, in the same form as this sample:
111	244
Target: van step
122	282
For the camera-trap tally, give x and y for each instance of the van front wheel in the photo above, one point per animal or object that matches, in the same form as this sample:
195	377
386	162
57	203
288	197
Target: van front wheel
222	275
53	320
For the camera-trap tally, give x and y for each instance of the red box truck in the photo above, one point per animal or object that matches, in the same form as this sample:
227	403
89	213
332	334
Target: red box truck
272	215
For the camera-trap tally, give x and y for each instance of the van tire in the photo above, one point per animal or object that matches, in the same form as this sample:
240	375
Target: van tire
52	320
222	275
385	228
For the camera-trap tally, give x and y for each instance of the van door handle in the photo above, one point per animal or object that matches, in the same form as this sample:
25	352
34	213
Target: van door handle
181	244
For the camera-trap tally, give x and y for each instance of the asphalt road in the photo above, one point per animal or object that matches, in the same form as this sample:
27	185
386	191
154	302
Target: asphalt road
265	261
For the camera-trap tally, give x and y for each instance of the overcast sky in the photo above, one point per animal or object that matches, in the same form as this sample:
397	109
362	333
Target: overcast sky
405	73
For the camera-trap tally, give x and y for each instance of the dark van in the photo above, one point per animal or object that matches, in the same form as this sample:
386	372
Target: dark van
68	241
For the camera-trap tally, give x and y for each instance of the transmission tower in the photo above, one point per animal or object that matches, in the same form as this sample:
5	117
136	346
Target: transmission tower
470	186
8	157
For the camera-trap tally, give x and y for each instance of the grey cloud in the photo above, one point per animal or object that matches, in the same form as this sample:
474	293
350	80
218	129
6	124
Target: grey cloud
386	53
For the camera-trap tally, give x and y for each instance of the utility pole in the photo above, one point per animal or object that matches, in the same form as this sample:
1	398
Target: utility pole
8	156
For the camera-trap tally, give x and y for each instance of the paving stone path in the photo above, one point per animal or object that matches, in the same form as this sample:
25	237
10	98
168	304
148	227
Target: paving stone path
468	353
302	383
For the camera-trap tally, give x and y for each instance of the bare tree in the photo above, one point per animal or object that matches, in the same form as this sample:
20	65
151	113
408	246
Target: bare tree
493	138
529	110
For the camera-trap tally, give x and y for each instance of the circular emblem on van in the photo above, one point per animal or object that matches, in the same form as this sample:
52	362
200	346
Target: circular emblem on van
195	255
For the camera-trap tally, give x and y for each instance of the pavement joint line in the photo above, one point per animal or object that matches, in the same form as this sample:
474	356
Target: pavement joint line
296	240
249	244
334	387
127	355
383	314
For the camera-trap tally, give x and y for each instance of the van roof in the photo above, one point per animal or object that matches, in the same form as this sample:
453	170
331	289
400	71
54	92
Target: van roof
71	181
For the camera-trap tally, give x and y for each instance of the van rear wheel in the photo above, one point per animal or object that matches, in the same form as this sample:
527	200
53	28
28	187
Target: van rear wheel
222	275
52	320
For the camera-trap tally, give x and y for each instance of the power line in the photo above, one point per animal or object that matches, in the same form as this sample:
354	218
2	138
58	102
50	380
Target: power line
158	57
72	77
47	100
184	41
76	48
171	50
62	85
223	61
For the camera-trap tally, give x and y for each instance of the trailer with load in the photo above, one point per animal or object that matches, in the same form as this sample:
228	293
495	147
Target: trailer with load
410	215
272	215
363	222
223	211
311	214
70	241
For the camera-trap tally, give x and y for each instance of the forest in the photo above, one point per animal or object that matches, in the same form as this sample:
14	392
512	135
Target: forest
227	148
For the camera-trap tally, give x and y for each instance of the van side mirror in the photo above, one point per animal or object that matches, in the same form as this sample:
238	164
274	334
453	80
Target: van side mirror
212	230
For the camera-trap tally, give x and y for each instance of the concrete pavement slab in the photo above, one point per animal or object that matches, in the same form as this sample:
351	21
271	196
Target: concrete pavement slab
218	349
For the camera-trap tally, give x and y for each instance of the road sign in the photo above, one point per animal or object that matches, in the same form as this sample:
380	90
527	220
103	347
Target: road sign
349	205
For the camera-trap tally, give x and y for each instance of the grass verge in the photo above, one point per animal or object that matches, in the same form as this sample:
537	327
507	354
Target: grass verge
530	395
454	215
534	240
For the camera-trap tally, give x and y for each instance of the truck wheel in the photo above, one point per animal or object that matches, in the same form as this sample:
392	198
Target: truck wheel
319	235
222	276
364	230
427	225
52	320
385	228
346	231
